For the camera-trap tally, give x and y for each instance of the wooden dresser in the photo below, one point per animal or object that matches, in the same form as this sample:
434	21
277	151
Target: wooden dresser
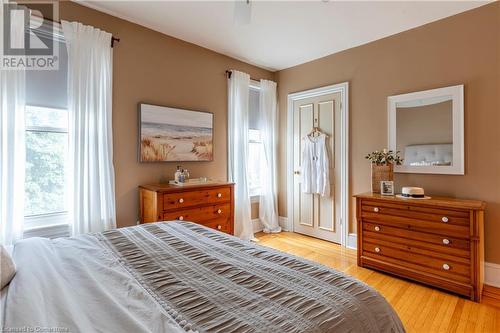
208	204
438	241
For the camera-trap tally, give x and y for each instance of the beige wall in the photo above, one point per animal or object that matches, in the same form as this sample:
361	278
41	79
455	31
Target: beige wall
463	49
152	67
155	68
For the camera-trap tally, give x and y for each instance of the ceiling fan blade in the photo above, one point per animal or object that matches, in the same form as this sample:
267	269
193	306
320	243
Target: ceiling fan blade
242	12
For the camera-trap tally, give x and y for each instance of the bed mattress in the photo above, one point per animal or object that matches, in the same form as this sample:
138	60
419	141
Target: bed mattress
182	277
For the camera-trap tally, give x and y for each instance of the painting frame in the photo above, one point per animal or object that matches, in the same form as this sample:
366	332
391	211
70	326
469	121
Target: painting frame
209	132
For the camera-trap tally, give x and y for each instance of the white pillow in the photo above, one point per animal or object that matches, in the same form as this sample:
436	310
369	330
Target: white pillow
7	267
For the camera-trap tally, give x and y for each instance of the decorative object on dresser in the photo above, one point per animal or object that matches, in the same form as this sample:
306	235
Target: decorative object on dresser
438	241
383	167
387	187
409	192
211	204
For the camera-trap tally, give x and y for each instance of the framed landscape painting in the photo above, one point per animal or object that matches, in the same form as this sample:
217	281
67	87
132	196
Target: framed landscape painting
174	135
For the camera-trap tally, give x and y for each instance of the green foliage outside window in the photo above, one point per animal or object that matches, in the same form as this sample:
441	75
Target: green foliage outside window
45	172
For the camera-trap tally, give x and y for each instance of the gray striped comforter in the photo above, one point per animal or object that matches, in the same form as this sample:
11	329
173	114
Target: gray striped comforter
209	281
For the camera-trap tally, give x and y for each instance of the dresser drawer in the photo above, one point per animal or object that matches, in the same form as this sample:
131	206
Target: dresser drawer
441	228
178	200
438	266
416	249
199	214
374	229
446	248
220	224
440	216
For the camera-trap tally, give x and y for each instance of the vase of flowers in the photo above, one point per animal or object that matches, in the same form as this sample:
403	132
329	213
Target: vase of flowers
383	166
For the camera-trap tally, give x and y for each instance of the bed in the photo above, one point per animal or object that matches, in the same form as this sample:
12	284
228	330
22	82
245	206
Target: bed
182	277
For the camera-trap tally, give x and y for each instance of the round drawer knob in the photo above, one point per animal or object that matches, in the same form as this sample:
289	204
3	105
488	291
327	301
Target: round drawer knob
444	219
446	267
219	211
377	249
181	200
375	209
446	241
377	228
219	195
219	227
181	218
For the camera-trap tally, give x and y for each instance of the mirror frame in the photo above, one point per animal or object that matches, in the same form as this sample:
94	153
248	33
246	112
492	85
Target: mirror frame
457	95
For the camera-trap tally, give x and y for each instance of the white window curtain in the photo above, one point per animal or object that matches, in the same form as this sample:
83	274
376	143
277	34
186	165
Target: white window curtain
12	146
268	124
92	184
238	92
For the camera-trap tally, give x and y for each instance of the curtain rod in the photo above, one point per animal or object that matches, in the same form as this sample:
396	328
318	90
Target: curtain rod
229	72
113	38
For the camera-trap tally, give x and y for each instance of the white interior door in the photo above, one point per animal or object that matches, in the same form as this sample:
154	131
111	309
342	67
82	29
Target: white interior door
313	214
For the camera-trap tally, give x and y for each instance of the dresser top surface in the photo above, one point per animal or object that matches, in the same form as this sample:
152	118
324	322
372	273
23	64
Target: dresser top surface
176	188
434	201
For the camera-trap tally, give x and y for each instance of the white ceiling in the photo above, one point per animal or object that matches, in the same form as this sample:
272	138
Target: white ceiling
282	34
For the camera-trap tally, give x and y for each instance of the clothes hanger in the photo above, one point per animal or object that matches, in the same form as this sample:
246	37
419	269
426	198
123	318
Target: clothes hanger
316	131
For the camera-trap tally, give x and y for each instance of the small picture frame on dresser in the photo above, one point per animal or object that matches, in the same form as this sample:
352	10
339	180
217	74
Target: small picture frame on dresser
387	187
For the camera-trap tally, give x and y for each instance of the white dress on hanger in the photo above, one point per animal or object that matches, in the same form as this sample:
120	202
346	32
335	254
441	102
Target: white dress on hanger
315	166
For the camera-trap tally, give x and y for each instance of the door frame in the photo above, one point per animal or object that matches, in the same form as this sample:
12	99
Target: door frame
343	89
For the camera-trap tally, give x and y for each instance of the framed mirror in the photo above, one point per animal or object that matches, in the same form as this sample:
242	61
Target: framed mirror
427	127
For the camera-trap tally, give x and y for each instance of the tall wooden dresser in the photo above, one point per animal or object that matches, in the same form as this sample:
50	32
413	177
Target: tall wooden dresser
437	241
209	204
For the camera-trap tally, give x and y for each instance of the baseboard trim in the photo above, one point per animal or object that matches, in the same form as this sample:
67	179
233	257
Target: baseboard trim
284	224
491	296
492	274
257	225
352	241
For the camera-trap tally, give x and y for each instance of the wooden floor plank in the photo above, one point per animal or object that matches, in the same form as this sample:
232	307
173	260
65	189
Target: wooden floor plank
422	309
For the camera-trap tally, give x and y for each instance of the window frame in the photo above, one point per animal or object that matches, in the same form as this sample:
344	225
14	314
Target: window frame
48	224
254	198
255	86
51	219
32	222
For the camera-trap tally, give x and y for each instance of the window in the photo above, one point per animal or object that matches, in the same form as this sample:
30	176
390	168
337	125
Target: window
254	161
255	148
46	162
46	121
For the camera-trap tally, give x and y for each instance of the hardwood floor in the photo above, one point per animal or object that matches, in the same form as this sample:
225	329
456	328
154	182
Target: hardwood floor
422	309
